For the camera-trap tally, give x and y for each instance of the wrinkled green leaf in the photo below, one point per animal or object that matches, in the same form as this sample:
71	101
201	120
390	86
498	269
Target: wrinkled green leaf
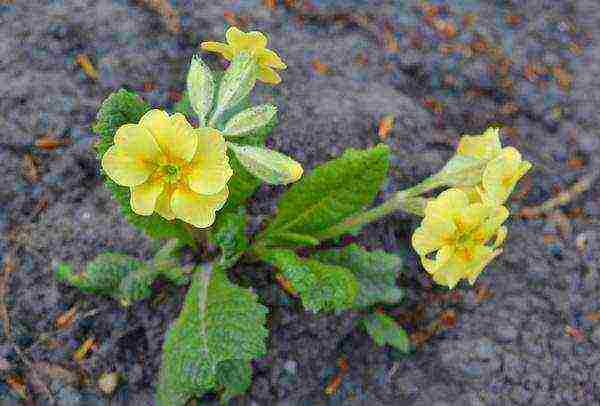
229	234
268	165
219	322
236	84
235	376
102	275
200	89
123	107
331	193
321	287
376	272
250	121
384	330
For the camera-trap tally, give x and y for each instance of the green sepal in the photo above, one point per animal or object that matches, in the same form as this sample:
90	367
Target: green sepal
219	322
385	331
200	89
376	272
236	84
322	287
331	193
462	170
124	107
251	121
235	377
269	166
229	234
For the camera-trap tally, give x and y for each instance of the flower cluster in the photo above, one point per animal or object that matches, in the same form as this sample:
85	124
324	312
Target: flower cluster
255	43
462	229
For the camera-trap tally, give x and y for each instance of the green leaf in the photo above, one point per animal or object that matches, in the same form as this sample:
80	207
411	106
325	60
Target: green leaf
331	193
229	234
384	330
123	107
237	82
251	121
136	286
120	107
200	89
267	165
322	287
376	272
102	275
219	322
235	376
123	277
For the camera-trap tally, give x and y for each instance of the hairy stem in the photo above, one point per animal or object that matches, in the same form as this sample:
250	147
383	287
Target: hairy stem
408	200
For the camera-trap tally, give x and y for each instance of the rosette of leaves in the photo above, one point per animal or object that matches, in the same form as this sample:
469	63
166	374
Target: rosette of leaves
221	327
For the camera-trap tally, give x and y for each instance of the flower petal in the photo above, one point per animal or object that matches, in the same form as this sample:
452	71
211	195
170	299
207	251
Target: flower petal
218	47
472	216
433	233
267	57
133	158
163	203
448	204
198	210
268	75
482	256
486	146
143	197
490	226
209	170
500	236
173	134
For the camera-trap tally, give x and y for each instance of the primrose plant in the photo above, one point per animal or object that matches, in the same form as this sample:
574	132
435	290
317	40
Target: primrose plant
187	185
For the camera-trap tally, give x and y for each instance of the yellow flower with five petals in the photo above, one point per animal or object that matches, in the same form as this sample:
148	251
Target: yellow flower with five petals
453	238
171	168
255	43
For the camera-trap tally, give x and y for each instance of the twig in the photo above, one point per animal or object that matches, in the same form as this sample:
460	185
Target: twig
168	13
582	185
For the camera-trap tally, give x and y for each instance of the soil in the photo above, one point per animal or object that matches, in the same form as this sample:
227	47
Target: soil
528	332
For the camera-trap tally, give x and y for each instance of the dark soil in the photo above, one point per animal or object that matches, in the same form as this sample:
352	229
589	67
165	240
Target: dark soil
527	333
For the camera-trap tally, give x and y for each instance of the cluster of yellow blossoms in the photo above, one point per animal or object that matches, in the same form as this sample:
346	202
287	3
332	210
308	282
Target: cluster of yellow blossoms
454	240
173	169
255	43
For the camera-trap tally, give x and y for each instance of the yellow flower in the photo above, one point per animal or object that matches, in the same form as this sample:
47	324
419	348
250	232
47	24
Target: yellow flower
170	168
501	175
502	171
255	43
485	147
453	238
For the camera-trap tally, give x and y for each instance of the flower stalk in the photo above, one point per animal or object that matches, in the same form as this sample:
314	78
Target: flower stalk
407	200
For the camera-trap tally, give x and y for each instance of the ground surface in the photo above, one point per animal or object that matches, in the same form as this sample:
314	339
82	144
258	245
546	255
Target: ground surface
443	68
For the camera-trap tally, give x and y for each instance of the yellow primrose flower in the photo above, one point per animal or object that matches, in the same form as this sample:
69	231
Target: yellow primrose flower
453	236
501	175
255	43
503	170
170	167
485	147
